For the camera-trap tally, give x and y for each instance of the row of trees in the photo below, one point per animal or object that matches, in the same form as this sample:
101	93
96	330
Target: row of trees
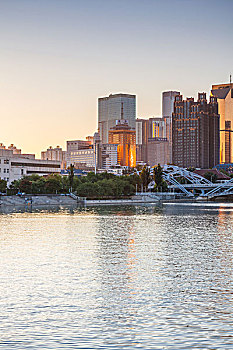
91	186
102	185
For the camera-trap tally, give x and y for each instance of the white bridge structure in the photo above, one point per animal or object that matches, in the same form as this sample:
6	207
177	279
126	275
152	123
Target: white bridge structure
194	183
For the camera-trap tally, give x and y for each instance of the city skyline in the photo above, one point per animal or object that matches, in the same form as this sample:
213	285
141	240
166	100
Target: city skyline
58	58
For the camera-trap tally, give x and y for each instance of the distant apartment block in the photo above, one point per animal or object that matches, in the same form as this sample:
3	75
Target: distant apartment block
195	132
55	154
224	95
109	111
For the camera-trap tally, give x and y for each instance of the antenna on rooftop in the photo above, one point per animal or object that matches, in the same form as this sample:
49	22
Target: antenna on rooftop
122	111
230	79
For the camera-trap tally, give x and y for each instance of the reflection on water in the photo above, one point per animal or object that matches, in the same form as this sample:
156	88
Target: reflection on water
117	278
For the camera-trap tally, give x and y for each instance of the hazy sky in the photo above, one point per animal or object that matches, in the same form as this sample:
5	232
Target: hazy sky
58	56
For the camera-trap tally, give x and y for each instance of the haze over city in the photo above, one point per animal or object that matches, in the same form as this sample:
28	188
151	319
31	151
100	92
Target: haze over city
58	57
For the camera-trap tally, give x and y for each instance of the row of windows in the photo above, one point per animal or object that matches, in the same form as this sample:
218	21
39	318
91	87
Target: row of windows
5	170
6	178
5	161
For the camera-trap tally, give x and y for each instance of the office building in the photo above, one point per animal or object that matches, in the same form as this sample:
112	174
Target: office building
195	132
108	156
155	129
224	95
75	146
157	151
83	158
168	98
142	135
125	138
109	111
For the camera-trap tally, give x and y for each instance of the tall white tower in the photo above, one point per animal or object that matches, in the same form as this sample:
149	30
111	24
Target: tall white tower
168	99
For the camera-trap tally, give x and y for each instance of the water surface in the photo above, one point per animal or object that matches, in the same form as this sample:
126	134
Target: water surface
117	278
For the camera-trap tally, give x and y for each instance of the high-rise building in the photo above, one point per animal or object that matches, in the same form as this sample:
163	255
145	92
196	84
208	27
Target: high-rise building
125	137
109	110
142	135
153	129
195	132
157	151
168	98
224	95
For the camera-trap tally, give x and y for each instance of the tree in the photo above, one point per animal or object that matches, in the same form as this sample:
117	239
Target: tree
88	189
145	177
160	184
71	176
53	184
211	176
25	185
3	185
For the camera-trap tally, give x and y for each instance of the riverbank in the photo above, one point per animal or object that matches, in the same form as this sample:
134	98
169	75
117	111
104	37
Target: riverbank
72	200
36	200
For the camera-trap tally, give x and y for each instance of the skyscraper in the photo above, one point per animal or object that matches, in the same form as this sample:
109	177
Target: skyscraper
168	98
109	111
142	135
125	137
224	95
195	132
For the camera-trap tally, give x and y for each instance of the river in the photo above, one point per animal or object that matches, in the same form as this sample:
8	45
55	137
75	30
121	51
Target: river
117	278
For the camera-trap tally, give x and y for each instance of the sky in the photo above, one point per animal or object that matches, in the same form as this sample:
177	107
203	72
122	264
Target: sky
58	56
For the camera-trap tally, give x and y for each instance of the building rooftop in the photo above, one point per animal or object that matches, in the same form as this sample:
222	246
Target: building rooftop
221	92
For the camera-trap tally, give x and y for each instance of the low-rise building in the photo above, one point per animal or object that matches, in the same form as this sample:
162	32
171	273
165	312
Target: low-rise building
15	166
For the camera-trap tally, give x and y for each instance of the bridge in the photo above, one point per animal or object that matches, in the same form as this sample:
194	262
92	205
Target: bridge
194	184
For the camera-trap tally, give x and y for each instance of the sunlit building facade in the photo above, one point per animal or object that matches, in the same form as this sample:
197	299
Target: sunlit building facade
224	95
125	138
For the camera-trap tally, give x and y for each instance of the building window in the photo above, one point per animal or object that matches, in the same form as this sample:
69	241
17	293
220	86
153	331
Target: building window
6	161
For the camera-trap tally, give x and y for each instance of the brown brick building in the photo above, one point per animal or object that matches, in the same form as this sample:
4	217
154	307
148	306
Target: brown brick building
195	132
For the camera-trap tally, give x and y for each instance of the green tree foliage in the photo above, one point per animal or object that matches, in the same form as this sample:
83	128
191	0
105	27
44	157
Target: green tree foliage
160	183
71	175
102	185
145	177
53	184
25	185
211	176
3	185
